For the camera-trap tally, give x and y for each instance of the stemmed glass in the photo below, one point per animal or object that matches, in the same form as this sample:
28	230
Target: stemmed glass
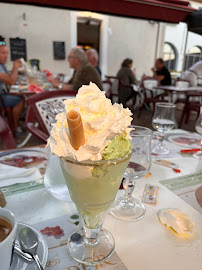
127	207
93	186
163	120
198	127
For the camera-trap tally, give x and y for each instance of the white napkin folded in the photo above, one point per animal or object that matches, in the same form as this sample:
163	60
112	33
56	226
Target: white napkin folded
10	175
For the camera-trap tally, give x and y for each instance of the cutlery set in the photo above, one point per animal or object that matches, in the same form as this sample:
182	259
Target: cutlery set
28	246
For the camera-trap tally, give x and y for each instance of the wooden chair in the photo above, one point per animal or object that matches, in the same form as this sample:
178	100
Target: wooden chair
6	135
115	86
181	84
192	103
38	120
8	112
149	88
107	87
116	83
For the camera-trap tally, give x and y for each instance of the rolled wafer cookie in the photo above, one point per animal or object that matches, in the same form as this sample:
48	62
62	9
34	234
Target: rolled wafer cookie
76	132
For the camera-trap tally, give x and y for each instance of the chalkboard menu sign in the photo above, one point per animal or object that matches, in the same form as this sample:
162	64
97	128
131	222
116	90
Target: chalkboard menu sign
59	50
18	48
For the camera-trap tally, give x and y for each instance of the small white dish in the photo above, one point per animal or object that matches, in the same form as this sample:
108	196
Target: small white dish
42	251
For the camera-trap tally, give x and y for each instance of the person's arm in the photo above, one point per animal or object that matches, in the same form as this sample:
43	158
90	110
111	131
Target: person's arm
11	78
60	86
132	77
156	76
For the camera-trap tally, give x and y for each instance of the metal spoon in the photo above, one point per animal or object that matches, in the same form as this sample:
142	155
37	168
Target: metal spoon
29	243
23	254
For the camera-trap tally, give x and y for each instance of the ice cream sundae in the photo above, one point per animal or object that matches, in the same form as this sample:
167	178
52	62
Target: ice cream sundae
92	139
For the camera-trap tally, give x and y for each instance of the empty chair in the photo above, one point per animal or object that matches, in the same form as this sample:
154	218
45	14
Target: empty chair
181	84
192	104
6	135
107	87
37	120
149	88
115	86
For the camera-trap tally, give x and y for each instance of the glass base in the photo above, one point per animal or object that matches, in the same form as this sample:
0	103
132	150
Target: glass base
160	150
198	155
132	211
91	255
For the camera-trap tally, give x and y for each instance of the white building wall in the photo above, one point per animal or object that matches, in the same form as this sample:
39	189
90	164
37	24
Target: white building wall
131	38
120	37
44	25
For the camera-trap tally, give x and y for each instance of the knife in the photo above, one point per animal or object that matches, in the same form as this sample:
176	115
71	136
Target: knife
23	254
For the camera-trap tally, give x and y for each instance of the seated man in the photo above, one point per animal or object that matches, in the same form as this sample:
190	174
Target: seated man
84	73
92	56
16	102
161	73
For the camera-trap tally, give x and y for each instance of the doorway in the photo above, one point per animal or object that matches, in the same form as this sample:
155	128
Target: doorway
88	33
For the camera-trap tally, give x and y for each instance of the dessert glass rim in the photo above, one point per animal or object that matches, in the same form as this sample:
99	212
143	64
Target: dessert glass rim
101	162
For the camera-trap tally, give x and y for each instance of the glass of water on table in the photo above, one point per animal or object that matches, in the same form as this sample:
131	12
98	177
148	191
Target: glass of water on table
163	120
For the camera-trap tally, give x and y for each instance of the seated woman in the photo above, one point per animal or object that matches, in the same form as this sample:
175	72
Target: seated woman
126	75
16	102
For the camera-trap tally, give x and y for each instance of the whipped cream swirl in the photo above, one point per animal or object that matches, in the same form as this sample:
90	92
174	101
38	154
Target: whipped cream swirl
102	121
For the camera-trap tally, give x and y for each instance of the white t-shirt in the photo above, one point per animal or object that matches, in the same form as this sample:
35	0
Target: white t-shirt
197	68
190	76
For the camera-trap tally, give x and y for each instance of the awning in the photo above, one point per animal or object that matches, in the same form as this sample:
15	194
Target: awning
194	21
172	11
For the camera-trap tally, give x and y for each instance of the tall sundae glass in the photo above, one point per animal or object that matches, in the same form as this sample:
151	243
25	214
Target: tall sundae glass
92	140
93	186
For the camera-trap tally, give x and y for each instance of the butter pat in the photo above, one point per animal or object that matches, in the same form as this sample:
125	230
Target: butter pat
176	219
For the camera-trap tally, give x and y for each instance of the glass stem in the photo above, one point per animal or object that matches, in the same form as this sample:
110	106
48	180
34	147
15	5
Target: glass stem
91	236
161	138
92	225
128	185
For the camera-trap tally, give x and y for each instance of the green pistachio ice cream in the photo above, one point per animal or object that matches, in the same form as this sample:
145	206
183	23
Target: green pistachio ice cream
116	148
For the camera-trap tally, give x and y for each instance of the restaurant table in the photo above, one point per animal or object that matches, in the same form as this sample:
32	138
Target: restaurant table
170	89
144	244
23	89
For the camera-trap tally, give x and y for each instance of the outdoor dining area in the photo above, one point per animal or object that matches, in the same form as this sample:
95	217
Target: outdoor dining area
100	169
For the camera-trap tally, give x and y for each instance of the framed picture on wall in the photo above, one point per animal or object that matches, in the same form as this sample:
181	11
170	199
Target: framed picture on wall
59	50
18	48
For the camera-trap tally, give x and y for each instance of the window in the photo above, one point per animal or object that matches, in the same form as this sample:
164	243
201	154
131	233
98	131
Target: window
169	56
194	55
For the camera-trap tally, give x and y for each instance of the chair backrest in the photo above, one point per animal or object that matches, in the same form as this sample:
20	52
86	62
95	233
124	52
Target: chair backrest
115	84
37	113
107	87
6	135
181	83
150	83
199	81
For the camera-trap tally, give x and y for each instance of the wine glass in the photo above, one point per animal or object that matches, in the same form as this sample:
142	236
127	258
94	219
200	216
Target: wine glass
93	186
163	120
198	127
127	207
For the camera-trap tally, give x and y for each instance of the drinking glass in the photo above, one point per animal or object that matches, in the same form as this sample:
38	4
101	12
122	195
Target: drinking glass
198	127
163	120
93	186
127	207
